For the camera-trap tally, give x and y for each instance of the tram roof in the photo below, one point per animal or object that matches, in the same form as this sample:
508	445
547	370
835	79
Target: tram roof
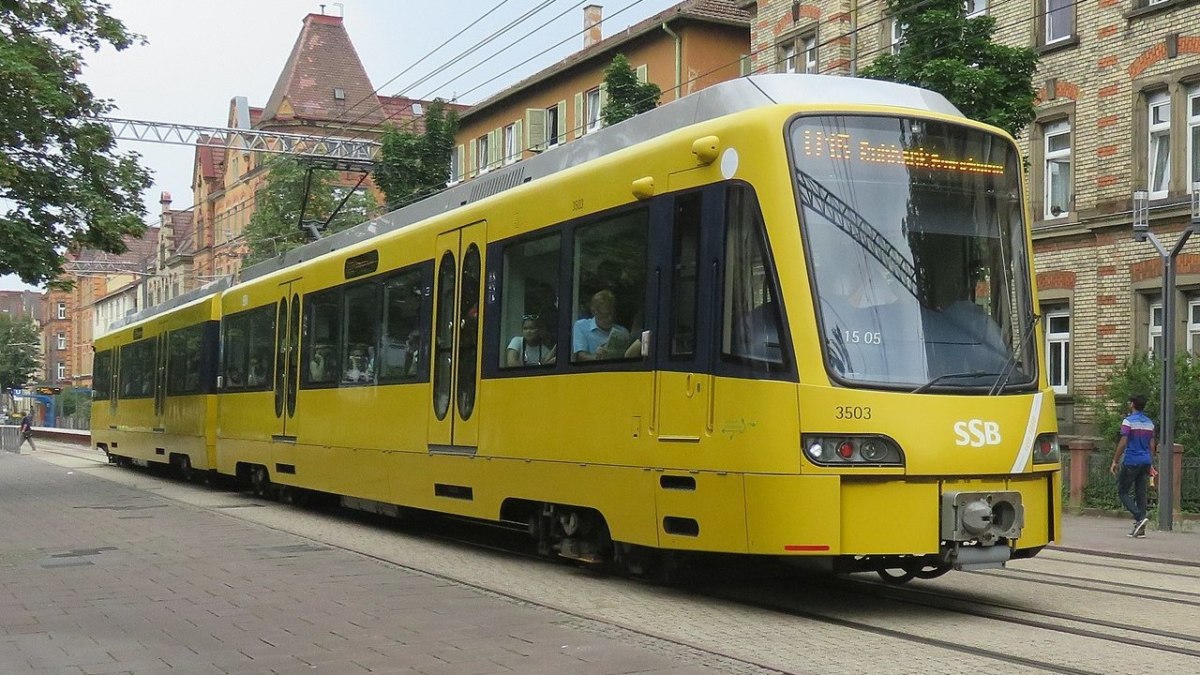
709	103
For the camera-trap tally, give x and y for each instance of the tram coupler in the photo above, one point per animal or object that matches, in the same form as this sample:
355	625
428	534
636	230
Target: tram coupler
977	557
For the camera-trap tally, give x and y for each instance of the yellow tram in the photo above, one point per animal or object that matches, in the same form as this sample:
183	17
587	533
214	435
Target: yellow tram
787	315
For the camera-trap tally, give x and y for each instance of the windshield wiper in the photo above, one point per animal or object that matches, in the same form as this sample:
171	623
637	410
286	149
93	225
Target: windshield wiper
1010	365
953	376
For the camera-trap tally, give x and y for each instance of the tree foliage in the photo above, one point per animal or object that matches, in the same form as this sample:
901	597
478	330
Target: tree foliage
1142	374
626	95
415	165
18	351
275	226
948	53
62	182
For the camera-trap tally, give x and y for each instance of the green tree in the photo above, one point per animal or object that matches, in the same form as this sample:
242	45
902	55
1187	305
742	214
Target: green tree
1143	375
18	351
275	226
948	53
62	182
415	165
626	95
76	403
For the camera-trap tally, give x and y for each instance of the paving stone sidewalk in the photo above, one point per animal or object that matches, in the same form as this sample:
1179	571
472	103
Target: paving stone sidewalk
99	578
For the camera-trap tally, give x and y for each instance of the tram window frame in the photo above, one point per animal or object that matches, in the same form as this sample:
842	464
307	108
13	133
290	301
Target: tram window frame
140	359
520	303
582	293
330	299
364	300
416	280
731	362
102	364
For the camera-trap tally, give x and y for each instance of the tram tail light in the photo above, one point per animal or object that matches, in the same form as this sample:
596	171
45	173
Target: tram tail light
1045	449
845	450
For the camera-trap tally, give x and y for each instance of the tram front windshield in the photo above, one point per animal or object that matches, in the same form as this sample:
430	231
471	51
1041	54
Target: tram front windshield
916	249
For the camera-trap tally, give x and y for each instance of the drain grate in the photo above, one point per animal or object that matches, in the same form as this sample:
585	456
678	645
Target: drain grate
293	548
68	562
122	507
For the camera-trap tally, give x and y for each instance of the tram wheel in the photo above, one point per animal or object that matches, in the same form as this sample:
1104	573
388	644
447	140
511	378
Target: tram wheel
260	481
891	577
184	466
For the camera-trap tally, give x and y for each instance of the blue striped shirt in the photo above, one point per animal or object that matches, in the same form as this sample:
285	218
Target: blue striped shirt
1139	432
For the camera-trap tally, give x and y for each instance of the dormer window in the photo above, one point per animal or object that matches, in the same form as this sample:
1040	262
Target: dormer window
339	94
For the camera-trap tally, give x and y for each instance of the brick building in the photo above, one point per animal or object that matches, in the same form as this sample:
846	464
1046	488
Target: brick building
323	90
1118	111
682	49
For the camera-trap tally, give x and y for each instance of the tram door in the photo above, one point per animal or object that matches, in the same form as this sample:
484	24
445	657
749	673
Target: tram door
684	381
454	413
160	381
287	358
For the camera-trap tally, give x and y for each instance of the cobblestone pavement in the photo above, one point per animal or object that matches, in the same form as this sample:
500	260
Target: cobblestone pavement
650	629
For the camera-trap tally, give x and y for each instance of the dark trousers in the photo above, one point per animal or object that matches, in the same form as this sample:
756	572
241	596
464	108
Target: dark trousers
1131	488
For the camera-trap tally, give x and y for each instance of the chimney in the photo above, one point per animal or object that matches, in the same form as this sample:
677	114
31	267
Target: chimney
164	198
592	15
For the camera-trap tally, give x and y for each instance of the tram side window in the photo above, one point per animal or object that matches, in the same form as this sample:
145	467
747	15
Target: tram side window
322	336
184	349
361	323
529	317
102	375
609	287
136	379
403	322
236	346
751	331
262	348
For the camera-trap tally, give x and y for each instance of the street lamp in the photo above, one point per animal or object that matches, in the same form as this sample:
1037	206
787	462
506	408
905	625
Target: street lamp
1141	232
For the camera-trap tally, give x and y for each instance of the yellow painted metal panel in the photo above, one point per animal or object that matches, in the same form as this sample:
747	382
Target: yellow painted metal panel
793	515
717	505
881	516
682	406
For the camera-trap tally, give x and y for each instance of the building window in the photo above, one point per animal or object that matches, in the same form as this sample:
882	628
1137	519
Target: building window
552	125
456	165
481	154
1058	350
1155	337
62	341
975	8
1160	144
512	150
592	103
1193	136
1060	20
1057	176
60	370
62	310
810	55
896	35
1193	326
789	58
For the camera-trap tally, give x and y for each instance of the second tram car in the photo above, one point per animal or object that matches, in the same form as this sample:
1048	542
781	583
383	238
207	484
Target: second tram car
787	315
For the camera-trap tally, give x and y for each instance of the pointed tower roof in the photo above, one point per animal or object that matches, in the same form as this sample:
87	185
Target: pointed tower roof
323	80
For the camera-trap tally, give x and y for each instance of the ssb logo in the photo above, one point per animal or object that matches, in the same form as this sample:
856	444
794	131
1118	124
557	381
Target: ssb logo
977	433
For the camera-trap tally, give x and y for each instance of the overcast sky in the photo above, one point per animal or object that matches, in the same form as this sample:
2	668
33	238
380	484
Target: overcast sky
200	54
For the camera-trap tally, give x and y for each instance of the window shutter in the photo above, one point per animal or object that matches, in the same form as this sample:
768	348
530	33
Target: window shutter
518	139
460	170
562	121
496	147
580	120
470	170
643	72
535	127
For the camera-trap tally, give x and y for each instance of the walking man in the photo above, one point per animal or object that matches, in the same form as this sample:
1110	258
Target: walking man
26	433
1135	458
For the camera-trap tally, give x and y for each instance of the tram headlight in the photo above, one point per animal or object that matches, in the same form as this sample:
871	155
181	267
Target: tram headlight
1045	449
852	449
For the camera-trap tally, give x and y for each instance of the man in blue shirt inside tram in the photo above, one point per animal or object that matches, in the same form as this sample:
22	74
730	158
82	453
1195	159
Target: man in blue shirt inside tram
1135	454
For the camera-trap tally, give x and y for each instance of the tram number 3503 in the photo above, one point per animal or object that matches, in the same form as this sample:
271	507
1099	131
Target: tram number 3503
852	412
